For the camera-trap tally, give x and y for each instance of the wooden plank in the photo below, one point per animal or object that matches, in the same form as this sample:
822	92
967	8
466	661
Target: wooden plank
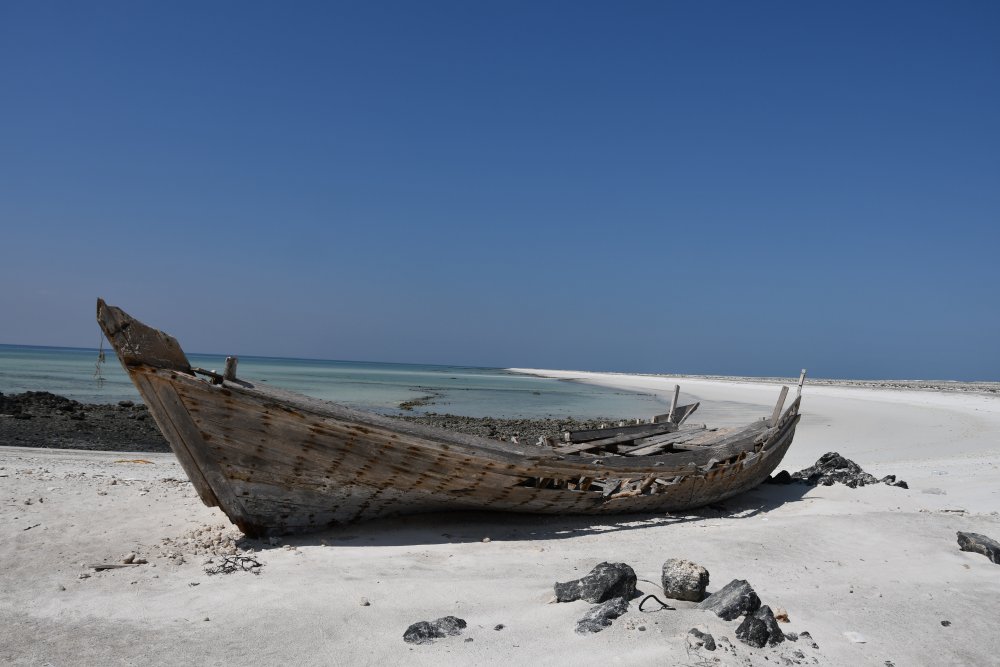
777	406
137	344
802	380
656	445
230	371
607	442
634	431
683	412
673	403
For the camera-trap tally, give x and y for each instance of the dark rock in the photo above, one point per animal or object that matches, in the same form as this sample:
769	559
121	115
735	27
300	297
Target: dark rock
980	544
605	581
498	626
760	628
698	638
783	477
832	468
125	404
735	598
792	636
891	481
425	632
601	616
946	623
684	580
806	637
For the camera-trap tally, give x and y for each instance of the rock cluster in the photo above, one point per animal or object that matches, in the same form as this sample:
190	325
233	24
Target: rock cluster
527	431
43	419
979	544
605	581
424	632
832	468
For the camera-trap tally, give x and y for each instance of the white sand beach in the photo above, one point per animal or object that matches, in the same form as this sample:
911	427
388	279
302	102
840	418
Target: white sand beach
878	561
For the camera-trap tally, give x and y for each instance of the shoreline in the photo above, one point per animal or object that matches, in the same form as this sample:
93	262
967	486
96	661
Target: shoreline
980	387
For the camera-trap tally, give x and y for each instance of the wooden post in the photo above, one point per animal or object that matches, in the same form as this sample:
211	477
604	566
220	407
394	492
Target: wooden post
230	372
777	406
673	402
802	380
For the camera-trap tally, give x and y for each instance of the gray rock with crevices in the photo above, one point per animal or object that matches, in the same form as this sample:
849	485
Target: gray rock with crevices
425	632
684	580
601	616
732	600
980	544
605	581
760	629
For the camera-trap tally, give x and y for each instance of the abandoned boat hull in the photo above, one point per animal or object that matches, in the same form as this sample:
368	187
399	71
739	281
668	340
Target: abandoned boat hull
276	462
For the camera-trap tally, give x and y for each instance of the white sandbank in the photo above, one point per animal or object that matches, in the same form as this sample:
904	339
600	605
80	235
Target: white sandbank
879	561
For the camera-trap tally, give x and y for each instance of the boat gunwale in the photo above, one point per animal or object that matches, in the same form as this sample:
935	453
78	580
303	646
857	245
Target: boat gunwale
520	454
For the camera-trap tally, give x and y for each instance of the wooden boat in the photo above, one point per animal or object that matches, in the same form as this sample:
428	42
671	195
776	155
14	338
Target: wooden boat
277	462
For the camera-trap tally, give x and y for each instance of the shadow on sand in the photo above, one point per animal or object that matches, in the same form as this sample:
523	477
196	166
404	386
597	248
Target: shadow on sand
467	526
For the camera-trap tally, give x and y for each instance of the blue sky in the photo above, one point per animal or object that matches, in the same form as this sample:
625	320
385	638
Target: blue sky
704	187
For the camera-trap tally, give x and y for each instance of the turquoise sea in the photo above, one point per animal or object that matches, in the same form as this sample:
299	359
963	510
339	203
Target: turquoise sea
472	392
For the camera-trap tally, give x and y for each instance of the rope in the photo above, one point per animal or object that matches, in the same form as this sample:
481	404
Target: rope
100	362
663	605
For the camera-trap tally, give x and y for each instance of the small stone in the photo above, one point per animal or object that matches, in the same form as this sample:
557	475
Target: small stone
424	632
601	616
140	561
129	558
468	639
498	626
365	602
486	539
604	582
760	629
792	636
781	616
206	618
641	628
684	580
806	637
946	623
698	639
981	544
83	575
732	600
61	587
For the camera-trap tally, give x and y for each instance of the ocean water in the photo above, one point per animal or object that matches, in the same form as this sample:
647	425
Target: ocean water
472	392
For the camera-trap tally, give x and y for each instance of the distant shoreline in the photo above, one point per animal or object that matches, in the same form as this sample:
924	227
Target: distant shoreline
986	388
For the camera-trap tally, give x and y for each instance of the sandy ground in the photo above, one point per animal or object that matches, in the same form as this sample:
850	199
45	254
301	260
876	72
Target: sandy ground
879	561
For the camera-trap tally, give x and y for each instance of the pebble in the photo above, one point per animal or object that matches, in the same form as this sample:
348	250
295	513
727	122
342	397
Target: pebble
365	602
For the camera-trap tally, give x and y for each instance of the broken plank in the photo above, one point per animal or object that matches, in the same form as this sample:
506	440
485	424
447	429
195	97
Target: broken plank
634	431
